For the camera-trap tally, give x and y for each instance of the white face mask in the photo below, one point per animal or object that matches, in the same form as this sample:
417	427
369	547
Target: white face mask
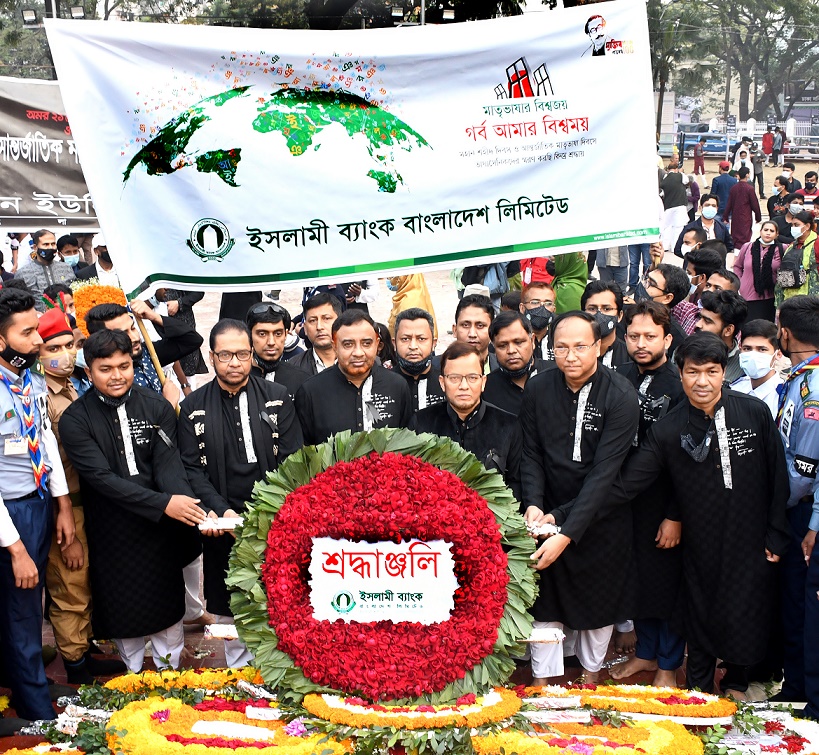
686	248
755	364
786	173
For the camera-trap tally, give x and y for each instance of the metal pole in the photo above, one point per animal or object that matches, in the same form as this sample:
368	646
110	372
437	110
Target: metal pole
423	12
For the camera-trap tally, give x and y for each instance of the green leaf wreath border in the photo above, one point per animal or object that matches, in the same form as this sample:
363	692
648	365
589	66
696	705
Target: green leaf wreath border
249	599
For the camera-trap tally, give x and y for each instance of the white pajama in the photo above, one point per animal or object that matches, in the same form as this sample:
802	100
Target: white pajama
193	579
591	646
167	644
236	653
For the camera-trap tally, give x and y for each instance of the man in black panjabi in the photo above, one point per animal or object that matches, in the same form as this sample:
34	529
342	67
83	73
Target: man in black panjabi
734	523
232	431
414	354
514	342
490	433
356	393
269	325
140	512
578	421
657	561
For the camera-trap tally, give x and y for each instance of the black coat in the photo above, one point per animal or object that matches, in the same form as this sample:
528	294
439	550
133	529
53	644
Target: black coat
284	373
136	552
493	435
504	393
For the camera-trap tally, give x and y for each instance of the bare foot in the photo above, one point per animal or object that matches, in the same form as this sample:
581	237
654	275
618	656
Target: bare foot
540	681
665	678
590	677
631	667
625	642
735	694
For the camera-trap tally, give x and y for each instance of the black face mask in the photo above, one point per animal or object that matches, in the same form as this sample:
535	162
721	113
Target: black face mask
46	254
698	453
515	374
105	257
18	359
606	322
540	317
640	293
413	368
266	365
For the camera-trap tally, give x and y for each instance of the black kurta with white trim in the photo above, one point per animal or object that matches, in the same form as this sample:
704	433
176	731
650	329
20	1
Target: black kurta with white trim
425	390
504	392
570	462
329	403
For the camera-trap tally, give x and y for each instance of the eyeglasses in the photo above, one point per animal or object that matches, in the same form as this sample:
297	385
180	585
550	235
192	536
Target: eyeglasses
473	379
532	303
606	309
580	350
227	356
649	281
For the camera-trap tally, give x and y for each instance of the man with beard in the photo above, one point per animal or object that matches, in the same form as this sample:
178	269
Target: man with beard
355	394
656	559
492	434
735	526
603	300
319	313
67	571
43	270
32	481
178	340
514	343
578	421
232	432
668	285
537	304
269	325
141	515
414	347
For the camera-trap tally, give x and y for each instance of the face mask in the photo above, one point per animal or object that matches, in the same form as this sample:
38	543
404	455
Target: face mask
61	364
106	258
515	374
709	213
810	186
765	243
686	248
692	289
46	254
754	364
607	323
391	286
80	360
17	359
786	173
640	293
795	209
413	368
540	317
71	259
796	231
266	365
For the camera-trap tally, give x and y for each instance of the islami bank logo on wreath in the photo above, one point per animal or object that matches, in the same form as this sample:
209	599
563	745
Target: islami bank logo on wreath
210	240
343	602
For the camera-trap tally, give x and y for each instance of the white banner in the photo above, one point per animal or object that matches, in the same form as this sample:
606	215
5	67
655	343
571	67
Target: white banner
387	581
242	157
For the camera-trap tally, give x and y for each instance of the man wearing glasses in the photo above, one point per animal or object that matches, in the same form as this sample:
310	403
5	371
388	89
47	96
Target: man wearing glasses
490	433
232	431
537	304
667	285
578	421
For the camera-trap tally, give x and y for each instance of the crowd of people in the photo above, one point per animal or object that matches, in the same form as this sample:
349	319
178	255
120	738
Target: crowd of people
642	421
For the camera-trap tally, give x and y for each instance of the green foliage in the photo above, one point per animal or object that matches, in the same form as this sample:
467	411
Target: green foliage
101	698
249	600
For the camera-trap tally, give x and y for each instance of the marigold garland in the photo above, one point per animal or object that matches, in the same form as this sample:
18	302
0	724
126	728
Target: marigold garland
428	488
210	679
508	705
43	747
149	724
4	703
633	698
661	738
89	295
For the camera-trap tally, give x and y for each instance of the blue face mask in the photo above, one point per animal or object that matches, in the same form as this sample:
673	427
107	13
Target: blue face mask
709	213
391	286
71	259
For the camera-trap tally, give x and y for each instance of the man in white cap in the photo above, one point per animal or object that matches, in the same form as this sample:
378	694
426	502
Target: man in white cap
103	268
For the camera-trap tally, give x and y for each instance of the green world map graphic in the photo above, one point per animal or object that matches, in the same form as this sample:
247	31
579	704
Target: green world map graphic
299	116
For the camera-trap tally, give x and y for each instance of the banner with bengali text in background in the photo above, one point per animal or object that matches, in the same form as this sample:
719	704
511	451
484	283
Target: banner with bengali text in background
40	175
236	158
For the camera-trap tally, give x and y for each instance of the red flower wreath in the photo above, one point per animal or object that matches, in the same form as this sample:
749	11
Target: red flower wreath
379	498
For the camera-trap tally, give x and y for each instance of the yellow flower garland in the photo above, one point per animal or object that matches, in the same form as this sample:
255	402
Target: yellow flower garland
4	703
148	736
211	679
655	738
49	747
640	699
89	295
509	705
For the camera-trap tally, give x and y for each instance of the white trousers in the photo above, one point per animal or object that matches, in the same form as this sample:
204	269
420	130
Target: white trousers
624	626
236	653
193	578
674	220
166	647
591	647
